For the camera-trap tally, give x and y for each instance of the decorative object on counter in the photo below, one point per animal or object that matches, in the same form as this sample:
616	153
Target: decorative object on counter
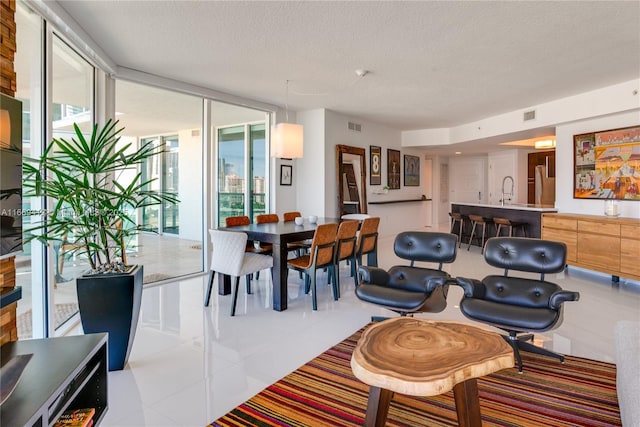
393	169
375	164
607	164
411	171
611	208
11	373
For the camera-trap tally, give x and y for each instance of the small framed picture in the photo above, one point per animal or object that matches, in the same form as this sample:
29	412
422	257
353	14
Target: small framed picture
393	169
286	173
375	154
411	171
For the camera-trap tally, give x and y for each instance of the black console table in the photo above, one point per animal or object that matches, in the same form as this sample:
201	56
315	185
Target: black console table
63	373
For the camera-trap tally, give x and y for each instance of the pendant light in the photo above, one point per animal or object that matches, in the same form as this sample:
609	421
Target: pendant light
287	138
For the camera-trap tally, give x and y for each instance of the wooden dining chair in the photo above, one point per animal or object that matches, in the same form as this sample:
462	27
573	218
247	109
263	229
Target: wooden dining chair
319	256
290	216
368	241
346	240
266	218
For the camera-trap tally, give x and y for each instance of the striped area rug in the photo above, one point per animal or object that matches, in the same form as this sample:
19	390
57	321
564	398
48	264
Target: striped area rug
324	392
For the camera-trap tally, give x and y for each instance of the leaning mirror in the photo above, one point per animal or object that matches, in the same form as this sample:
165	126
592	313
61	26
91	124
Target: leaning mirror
351	171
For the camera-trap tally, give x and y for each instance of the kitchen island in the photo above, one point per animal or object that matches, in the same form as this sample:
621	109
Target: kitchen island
527	213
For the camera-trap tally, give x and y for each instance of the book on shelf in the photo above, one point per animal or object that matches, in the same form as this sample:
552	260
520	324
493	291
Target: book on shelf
76	418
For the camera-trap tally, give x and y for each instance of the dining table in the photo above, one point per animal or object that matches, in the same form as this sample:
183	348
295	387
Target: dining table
278	234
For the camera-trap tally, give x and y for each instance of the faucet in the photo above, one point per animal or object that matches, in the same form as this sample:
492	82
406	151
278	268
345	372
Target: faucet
510	193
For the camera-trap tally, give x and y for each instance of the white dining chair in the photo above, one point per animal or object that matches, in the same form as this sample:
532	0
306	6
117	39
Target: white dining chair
229	257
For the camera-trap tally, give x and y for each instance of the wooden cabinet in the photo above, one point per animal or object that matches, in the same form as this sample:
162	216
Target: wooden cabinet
609	245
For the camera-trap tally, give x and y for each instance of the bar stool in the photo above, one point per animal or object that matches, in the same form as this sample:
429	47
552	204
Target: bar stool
475	220
504	222
457	217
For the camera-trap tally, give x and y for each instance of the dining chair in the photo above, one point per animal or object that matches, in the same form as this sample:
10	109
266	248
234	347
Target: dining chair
319	256
368	241
229	257
346	249
261	248
290	216
266	218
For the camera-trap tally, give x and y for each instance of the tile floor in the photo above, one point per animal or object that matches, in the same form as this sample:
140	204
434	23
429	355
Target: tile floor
190	364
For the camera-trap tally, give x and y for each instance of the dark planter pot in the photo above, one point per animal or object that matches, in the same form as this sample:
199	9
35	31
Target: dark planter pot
111	303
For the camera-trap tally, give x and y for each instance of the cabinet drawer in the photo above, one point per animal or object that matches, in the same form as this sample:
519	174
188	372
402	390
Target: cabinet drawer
569	238
599	228
598	250
630	256
553	221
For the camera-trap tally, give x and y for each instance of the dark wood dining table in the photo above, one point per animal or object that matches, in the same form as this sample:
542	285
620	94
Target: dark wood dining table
278	234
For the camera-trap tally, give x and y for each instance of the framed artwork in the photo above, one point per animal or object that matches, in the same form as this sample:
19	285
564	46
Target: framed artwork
607	164
286	173
411	171
393	169
375	165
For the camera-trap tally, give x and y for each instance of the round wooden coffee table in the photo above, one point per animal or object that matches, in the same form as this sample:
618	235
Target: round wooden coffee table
426	358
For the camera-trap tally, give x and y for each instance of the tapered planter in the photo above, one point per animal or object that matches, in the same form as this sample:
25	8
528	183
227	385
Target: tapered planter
111	303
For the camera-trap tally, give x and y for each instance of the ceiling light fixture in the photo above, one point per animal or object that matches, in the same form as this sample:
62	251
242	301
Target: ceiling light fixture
287	138
545	144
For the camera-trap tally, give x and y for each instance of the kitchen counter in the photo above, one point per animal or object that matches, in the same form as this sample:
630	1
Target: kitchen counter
517	206
527	213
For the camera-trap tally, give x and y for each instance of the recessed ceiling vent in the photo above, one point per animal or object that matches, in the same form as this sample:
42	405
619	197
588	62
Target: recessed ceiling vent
355	127
195	132
529	115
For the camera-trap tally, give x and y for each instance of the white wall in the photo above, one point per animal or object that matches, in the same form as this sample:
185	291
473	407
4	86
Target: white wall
190	186
564	164
394	218
309	188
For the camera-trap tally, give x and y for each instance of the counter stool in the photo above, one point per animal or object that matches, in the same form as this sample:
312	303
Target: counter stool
457	217
504	222
475	220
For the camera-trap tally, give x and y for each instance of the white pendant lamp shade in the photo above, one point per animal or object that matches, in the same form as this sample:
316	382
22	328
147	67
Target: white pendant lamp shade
287	141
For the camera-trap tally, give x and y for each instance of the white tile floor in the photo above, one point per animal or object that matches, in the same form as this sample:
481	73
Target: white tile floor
190	364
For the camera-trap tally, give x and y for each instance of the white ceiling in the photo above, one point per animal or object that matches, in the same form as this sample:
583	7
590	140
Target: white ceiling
432	64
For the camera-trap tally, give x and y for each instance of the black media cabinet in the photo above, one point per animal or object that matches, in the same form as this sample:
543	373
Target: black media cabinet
64	373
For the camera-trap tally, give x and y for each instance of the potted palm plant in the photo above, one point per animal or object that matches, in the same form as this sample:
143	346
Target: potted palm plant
93	214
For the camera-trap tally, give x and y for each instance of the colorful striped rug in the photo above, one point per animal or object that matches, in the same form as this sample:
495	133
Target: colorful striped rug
324	392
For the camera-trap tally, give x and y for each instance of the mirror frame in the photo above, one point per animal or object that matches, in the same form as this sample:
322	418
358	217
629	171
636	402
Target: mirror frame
346	149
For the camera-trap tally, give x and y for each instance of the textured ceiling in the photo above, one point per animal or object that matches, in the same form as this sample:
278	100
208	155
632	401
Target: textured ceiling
433	64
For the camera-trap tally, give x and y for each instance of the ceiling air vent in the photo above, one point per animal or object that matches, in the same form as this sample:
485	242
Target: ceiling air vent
529	115
355	126
195	132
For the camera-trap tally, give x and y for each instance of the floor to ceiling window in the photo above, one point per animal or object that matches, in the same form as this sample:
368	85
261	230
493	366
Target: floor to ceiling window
30	271
72	101
242	161
172	245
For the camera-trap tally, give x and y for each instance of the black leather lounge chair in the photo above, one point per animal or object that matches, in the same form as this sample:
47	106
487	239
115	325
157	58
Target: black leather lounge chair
516	304
407	289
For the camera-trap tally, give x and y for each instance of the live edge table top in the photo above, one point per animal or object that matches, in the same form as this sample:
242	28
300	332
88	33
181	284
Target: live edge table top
425	358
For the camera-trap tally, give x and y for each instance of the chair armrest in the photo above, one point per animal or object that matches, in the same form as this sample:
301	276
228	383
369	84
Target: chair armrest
373	275
435	282
559	297
473	288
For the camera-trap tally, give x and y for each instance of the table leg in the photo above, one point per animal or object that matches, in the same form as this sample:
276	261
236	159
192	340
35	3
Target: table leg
377	407
467	403
224	284
279	276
